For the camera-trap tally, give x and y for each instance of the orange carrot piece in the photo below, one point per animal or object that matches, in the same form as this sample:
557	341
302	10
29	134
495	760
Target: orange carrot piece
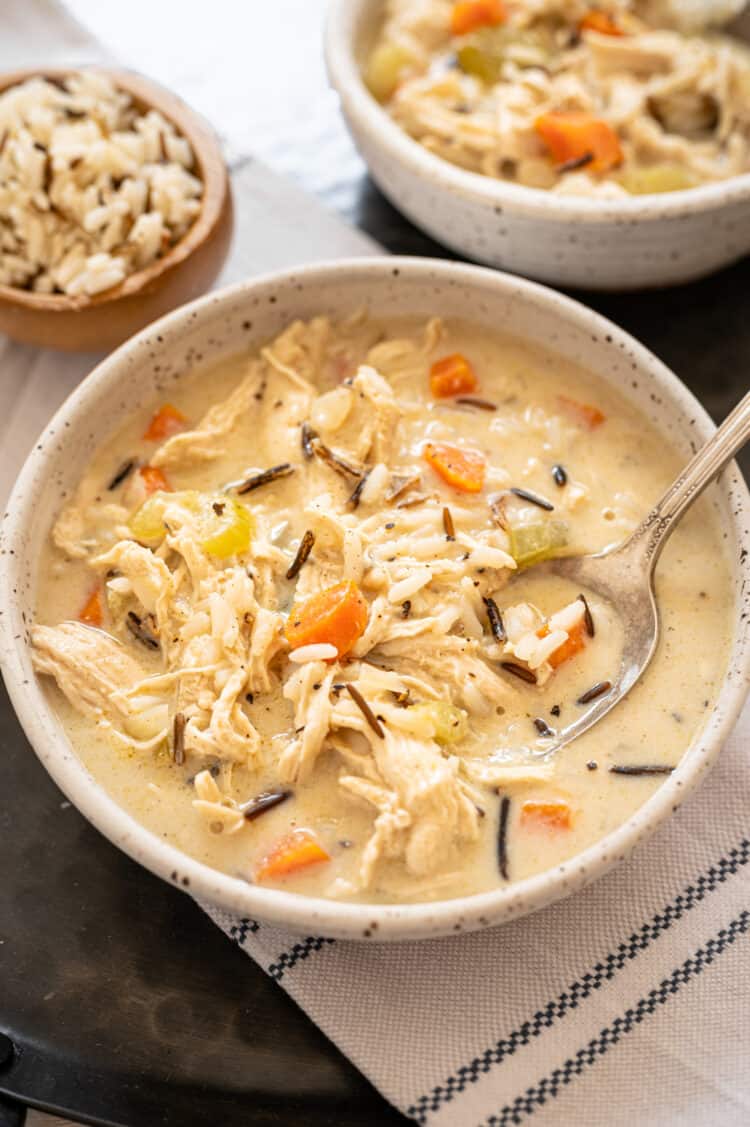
589	416
463	469
298	850
453	375
337	616
573	644
555	815
167	421
603	22
575	135
92	612
154	480
468	15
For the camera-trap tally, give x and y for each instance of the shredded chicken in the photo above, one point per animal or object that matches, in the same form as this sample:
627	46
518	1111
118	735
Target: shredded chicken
193	655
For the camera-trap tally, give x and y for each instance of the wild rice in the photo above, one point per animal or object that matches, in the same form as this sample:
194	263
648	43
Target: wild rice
124	472
559	475
588	617
595	691
365	709
519	671
91	188
543	727
137	628
481	404
178	739
265	478
647	769
262	803
533	499
502	837
307	434
305	547
448	525
335	461
495	620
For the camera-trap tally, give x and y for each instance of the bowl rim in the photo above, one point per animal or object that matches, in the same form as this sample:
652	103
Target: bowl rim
314	915
211	170
345	76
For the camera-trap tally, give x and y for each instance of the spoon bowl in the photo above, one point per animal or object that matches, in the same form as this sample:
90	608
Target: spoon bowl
624	575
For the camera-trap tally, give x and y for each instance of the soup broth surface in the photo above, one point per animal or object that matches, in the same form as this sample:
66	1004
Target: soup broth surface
175	682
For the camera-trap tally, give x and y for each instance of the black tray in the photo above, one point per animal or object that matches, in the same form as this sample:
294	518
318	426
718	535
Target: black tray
124	1004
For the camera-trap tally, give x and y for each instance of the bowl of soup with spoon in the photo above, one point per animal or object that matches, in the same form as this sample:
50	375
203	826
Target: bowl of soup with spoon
274	622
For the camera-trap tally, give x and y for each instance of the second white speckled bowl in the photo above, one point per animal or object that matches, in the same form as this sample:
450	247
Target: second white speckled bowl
656	240
247	315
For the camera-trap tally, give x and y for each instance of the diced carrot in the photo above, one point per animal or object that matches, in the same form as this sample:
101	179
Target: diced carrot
603	22
336	616
573	644
554	815
463	469
167	421
298	850
154	480
92	613
584	412
468	15
574	135
453	375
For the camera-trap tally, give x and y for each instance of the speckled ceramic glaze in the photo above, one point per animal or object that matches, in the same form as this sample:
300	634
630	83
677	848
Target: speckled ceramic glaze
656	240
242	317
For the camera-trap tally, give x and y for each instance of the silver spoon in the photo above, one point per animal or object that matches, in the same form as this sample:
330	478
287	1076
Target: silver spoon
623	575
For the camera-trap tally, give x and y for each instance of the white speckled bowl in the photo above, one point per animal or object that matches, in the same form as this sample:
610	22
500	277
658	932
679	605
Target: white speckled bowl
230	321
656	240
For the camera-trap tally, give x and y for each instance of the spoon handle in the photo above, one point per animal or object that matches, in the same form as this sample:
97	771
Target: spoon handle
651	536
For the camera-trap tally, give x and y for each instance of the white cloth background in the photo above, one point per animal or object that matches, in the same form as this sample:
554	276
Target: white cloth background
624	1005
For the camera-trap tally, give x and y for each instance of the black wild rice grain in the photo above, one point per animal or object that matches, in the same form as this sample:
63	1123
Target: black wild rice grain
588	618
406	609
124	472
263	802
533	499
265	478
543	727
559	476
335	461
305	547
555	710
502	837
178	739
365	709
141	632
481	404
448	525
595	691
495	620
647	769
307	434
357	493
519	671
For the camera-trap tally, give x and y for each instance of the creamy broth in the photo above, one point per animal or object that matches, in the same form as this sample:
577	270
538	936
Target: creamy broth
444	845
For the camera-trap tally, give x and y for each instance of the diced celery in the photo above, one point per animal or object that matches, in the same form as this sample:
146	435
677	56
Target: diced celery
385	68
147	522
533	543
223	526
438	720
656	178
227	532
483	64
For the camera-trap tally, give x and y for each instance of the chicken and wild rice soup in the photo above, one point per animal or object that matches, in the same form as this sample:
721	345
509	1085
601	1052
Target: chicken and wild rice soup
602	99
295	627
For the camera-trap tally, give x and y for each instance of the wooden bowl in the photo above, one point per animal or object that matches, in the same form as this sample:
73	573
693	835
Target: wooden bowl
92	324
